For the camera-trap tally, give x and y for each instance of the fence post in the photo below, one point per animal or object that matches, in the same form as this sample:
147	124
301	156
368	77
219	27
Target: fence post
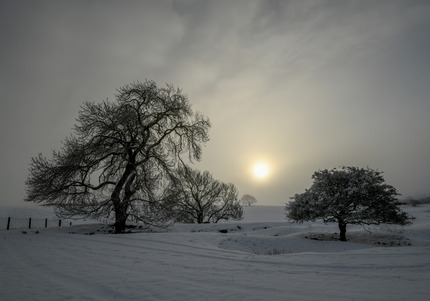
59	223
46	223
29	223
8	223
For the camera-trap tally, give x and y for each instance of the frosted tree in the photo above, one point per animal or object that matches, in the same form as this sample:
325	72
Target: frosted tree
349	195
120	156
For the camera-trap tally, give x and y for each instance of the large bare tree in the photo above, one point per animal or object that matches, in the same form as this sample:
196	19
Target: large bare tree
120	155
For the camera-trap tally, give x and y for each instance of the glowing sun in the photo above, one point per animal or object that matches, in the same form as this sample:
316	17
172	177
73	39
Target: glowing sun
260	170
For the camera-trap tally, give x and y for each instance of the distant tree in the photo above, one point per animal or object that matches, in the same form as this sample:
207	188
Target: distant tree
120	156
350	195
248	200
198	197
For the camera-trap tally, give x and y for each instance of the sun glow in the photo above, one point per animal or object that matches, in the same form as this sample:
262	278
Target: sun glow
260	170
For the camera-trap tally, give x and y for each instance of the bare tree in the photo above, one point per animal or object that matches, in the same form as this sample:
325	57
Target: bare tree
248	200
121	155
351	195
198	197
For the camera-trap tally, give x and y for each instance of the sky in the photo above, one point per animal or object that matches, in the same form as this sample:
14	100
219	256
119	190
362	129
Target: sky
298	85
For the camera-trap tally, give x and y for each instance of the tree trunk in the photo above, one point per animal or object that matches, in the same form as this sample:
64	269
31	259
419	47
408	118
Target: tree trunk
121	206
120	219
200	218
342	228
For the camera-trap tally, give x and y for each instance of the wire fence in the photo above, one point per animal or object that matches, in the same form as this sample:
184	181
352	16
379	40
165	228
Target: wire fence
10	223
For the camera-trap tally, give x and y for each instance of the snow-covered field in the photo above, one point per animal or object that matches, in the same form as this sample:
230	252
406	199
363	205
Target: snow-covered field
262	257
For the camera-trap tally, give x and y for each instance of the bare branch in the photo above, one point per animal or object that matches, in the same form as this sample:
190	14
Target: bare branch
120	153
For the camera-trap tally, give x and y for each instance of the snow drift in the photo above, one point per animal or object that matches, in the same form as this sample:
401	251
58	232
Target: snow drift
262	257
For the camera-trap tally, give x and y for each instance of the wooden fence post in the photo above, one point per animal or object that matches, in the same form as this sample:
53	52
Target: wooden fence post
8	223
46	223
29	223
59	223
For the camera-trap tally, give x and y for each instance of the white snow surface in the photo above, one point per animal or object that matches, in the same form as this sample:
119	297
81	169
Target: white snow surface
262	257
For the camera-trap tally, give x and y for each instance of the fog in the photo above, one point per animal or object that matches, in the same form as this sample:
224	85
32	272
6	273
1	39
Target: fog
300	85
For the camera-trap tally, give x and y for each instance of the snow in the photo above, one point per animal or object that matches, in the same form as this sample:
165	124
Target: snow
262	257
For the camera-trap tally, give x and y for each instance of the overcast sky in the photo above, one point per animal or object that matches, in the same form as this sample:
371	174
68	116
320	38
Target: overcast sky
302	85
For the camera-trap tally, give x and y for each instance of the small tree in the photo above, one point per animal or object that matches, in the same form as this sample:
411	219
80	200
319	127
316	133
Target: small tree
351	195
198	197
120	156
248	200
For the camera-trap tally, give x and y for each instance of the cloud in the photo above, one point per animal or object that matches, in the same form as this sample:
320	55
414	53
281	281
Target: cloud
310	84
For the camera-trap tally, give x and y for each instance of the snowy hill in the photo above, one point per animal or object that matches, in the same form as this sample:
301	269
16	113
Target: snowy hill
262	257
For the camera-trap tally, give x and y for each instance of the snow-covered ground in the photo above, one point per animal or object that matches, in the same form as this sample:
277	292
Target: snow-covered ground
262	257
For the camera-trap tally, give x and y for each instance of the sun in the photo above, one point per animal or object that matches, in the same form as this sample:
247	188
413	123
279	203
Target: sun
260	170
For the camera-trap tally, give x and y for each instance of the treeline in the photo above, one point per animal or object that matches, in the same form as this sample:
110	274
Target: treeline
415	201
